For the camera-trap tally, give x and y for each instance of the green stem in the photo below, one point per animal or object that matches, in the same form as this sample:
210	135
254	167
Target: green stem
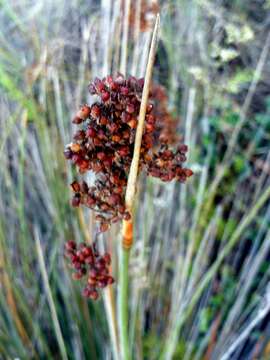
123	303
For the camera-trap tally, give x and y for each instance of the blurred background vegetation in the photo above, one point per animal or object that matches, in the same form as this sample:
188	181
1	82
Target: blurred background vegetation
200	265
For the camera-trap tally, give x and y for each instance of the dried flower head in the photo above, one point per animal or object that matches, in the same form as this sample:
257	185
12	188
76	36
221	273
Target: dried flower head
89	264
105	140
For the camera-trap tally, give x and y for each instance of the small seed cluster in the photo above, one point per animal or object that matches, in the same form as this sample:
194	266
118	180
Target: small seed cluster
87	262
105	141
166	124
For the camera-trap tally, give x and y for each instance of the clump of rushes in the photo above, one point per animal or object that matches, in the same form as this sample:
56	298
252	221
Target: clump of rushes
89	264
104	144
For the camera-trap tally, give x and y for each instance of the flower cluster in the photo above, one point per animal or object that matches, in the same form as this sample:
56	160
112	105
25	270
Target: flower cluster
87	262
166	124
149	10
105	141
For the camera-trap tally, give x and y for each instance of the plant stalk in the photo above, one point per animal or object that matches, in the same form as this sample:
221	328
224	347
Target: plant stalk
127	230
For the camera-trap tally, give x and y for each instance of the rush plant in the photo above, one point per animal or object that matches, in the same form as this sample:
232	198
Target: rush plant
125	131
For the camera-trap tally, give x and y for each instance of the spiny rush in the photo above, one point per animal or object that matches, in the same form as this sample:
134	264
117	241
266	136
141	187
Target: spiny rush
104	145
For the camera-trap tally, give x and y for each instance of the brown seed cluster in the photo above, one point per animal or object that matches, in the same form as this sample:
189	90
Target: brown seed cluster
104	145
87	262
149	10
166	124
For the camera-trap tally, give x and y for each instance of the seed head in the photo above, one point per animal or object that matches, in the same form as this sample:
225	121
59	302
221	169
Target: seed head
88	263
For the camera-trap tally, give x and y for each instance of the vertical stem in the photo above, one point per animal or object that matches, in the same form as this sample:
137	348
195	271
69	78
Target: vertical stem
124	49
130	196
47	288
111	320
123	303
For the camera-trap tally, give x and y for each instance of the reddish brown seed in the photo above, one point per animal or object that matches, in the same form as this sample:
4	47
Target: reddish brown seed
77	120
126	216
117	190
113	127
107	258
79	135
126	134
116	138
91	281
183	148
90	132
90	201
130	108
75	158
97	142
167	154
114	86
93	294
101	156
188	172
121	209
75	202
125	117
149	108
149	127
84	187
148	141
103	120
132	123
73	258
99	85
114	199
95	111
108	162
84	112
83	165
87	251
101	284
150	119
110	280
105	96
124	90
75	186
160	163
104	272
123	151
100	264
89	260
81	257
75	147
70	245
97	167
93	273
101	134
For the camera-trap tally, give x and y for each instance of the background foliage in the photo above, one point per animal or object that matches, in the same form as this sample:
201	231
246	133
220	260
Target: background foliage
200	266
